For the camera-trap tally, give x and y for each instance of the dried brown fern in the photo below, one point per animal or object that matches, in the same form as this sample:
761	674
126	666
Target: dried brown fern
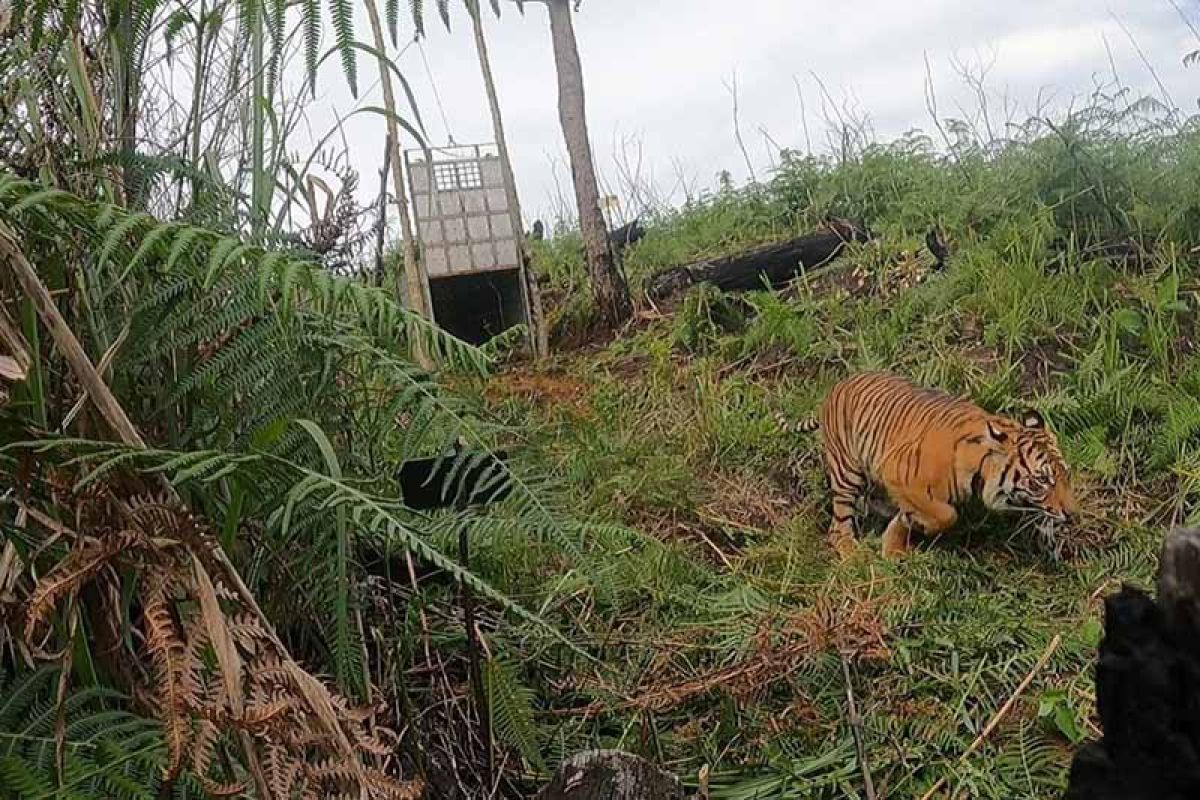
167	651
218	669
188	592
65	580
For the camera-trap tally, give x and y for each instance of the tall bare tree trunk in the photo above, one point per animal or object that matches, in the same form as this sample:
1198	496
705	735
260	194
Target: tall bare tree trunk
540	341
609	288
414	284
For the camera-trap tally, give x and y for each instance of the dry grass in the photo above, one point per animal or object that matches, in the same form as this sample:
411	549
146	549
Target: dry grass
780	645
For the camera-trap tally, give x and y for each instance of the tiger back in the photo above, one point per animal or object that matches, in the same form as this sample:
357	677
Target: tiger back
929	452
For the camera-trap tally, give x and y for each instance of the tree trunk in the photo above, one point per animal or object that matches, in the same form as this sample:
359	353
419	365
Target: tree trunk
413	284
609	288
538	336
1147	676
610	775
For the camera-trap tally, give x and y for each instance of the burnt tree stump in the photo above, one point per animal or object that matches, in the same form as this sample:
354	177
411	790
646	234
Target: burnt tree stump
626	235
610	775
1148	688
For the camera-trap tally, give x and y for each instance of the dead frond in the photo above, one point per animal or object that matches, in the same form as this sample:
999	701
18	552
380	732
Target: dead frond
219	674
780	647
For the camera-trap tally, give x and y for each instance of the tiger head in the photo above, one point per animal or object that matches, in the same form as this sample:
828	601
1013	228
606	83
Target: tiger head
1026	471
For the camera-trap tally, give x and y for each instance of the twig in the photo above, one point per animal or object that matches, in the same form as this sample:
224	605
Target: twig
737	127
720	553
803	116
381	230
856	725
1003	712
757	370
65	339
102	369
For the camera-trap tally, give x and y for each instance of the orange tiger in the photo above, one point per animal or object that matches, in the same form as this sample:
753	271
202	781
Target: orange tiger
930	452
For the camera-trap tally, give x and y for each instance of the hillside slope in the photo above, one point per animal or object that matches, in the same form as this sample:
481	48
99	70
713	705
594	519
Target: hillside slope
1070	288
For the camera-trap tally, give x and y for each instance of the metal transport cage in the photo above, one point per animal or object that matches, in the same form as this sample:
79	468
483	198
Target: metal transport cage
470	240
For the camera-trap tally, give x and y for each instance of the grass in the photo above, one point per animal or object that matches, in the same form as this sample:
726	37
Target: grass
714	602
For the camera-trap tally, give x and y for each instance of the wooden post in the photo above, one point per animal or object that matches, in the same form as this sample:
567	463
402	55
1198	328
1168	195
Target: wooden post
412	288
539	338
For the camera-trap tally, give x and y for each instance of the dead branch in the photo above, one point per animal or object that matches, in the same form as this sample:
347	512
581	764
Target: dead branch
856	725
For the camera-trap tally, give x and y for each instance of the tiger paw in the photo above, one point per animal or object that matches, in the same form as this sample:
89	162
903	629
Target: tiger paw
844	545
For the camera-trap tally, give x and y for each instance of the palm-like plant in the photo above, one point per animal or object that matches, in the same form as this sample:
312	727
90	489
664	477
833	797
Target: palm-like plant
278	402
267	402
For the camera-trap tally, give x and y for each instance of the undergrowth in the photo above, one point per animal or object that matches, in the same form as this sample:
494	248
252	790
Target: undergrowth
1070	287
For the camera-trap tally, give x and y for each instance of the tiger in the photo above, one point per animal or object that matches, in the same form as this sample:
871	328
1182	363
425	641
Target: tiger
930	452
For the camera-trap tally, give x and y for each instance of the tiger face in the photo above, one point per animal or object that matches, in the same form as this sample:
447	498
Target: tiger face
1027	472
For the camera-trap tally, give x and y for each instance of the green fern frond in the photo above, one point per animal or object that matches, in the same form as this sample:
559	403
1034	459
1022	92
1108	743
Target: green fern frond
118	233
343	31
108	751
311	10
510	706
417	11
21	694
276	20
392	12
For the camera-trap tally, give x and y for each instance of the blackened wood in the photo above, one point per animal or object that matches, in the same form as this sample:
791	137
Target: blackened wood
772	265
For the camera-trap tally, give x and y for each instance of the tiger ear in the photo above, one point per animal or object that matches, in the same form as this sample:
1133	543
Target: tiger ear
1032	419
997	433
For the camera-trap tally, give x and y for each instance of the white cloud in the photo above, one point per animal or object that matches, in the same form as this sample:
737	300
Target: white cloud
654	69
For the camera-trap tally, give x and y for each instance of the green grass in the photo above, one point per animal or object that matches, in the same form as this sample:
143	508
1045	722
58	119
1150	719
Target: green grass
714	603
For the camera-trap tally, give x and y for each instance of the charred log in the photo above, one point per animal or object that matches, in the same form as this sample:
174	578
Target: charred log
937	248
626	235
772	265
456	478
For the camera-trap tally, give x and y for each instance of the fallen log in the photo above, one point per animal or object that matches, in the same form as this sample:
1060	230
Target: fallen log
610	775
773	264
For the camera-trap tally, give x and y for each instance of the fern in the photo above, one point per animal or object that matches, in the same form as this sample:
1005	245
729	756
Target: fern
417	10
276	20
311	11
108	752
392	12
343	31
510	704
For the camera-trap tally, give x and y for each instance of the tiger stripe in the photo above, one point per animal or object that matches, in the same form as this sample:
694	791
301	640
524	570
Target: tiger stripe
930	452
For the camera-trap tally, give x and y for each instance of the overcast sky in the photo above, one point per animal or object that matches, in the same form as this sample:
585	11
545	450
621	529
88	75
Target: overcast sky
658	74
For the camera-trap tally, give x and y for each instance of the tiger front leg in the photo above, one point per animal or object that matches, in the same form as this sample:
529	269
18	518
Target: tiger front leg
841	526
896	536
931	518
